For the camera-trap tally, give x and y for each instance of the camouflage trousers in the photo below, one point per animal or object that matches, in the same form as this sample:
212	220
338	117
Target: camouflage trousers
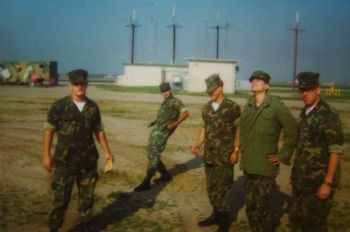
157	141
307	213
258	192
219	180
62	185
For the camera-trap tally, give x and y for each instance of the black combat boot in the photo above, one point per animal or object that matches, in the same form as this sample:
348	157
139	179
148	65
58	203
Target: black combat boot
165	175
224	222
146	183
213	219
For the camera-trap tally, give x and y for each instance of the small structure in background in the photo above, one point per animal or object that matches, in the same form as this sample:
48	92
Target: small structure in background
332	91
28	72
142	74
189	78
200	69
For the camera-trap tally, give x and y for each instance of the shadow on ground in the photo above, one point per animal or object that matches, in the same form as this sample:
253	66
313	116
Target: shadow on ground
128	203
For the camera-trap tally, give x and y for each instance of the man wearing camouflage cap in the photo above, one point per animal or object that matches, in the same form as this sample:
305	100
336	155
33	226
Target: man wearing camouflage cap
75	119
315	173
218	134
263	119
171	113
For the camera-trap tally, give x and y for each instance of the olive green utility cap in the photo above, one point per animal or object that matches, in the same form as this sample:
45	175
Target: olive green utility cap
212	82
163	87
78	76
308	80
259	74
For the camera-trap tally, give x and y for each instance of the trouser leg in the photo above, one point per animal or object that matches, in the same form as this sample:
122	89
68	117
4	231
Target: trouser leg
218	181
86	185
308	213
62	185
258	193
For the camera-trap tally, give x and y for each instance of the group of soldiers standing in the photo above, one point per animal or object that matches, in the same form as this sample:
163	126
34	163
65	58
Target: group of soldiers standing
225	134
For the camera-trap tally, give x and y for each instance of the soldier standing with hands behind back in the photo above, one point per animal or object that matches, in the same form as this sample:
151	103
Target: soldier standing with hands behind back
75	119
316	173
221	150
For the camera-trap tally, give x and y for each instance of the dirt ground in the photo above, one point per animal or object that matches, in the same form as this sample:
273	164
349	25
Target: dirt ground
25	194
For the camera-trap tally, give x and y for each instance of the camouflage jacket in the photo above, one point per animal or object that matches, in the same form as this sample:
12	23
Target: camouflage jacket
220	131
319	135
260	130
168	112
75	144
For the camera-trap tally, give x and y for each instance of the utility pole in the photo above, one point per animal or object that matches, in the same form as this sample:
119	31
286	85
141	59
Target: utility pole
206	38
154	49
296	30
174	26
133	25
217	28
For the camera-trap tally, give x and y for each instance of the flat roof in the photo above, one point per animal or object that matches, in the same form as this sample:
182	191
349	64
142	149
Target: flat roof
212	60
157	65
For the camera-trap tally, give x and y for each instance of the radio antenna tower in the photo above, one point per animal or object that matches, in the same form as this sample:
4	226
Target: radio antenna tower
174	26
133	25
217	28
296	30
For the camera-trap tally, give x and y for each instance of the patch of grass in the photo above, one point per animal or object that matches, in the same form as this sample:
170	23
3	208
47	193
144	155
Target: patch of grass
140	213
126	176
241	226
344	97
340	216
133	89
138	110
18	206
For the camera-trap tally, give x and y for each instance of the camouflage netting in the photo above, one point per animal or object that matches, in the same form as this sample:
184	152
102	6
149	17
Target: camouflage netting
28	72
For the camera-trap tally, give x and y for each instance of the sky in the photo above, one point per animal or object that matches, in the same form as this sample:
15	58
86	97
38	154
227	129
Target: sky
93	34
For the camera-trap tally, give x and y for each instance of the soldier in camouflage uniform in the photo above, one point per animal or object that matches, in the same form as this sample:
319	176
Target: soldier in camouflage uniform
75	119
171	113
263	119
218	134
315	173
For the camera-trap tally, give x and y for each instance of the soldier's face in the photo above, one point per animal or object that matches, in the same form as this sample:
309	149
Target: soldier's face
310	96
259	85
216	93
78	90
166	94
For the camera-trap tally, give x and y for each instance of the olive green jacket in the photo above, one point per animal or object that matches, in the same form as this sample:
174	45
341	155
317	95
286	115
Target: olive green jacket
260	130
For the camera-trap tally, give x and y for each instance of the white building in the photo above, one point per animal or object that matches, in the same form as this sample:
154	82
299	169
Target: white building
200	69
190	78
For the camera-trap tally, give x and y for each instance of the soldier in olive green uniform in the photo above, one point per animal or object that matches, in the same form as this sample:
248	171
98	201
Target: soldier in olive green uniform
75	119
261	123
171	113
218	134
315	173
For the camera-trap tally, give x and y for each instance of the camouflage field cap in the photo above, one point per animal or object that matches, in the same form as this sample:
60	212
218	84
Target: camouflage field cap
259	74
163	87
212	82
308	80
78	76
